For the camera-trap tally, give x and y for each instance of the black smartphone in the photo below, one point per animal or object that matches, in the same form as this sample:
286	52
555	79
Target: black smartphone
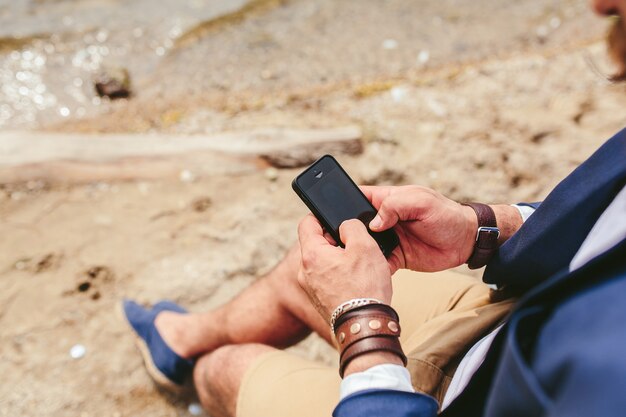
333	197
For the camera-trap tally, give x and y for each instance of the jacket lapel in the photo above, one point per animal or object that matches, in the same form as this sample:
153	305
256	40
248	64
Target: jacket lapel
605	266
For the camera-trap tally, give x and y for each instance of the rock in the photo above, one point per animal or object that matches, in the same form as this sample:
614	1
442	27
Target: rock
21	264
390	44
38	264
195	409
113	83
423	57
542	33
78	351
271	174
436	107
201	204
399	93
187	176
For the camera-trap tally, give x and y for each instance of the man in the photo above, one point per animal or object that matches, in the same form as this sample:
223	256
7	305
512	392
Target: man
560	352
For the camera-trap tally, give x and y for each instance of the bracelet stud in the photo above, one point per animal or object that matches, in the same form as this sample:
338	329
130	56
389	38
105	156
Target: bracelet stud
355	328
374	324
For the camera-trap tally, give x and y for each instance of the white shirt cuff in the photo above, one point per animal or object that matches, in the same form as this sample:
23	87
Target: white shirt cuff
524	211
386	376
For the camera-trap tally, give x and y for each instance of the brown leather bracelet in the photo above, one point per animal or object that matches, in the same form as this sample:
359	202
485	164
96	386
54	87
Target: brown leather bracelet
371	308
486	236
371	344
365	325
367	329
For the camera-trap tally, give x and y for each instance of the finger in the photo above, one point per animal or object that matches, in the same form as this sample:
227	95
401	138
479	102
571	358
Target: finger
353	233
400	206
376	194
395	260
330	239
310	233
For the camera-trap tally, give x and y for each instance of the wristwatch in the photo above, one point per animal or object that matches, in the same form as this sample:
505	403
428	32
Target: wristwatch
486	236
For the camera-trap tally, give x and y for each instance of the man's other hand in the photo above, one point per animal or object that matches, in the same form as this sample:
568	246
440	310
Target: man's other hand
331	275
435	232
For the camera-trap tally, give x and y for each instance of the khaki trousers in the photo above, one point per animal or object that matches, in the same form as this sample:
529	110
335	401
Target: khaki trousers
442	315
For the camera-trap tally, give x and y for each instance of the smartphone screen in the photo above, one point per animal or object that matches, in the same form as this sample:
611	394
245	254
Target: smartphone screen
333	197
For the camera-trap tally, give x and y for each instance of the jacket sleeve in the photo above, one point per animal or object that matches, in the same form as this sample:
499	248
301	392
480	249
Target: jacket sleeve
388	403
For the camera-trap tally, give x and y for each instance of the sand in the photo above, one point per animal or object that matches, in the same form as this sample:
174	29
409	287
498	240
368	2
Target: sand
502	128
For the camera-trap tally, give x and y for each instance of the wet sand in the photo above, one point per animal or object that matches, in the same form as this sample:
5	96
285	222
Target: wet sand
503	122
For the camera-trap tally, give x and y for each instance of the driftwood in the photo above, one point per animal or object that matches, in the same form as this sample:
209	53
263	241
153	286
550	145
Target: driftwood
60	157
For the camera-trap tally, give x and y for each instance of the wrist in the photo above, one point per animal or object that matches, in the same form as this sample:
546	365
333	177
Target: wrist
494	225
369	335
487	235
369	360
509	221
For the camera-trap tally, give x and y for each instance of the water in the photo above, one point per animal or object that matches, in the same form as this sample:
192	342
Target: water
50	50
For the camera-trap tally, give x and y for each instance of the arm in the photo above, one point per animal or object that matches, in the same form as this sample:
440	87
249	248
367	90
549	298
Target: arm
509	220
376	403
384	372
435	233
436	225
324	276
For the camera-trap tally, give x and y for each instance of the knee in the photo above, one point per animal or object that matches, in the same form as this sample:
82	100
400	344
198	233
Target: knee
291	266
213	382
210	369
218	375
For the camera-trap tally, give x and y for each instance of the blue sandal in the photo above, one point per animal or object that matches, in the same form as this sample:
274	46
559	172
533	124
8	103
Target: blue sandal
165	366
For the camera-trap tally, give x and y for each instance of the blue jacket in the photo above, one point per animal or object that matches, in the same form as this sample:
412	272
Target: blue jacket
563	350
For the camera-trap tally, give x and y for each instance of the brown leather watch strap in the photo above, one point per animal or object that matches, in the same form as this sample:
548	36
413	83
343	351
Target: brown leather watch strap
486	236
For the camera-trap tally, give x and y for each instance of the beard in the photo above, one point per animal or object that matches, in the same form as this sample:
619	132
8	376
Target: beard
616	42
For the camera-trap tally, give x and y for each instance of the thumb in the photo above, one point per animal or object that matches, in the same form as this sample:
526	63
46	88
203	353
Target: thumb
387	217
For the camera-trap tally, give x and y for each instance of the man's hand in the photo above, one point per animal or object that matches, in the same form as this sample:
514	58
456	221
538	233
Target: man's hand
331	275
435	232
